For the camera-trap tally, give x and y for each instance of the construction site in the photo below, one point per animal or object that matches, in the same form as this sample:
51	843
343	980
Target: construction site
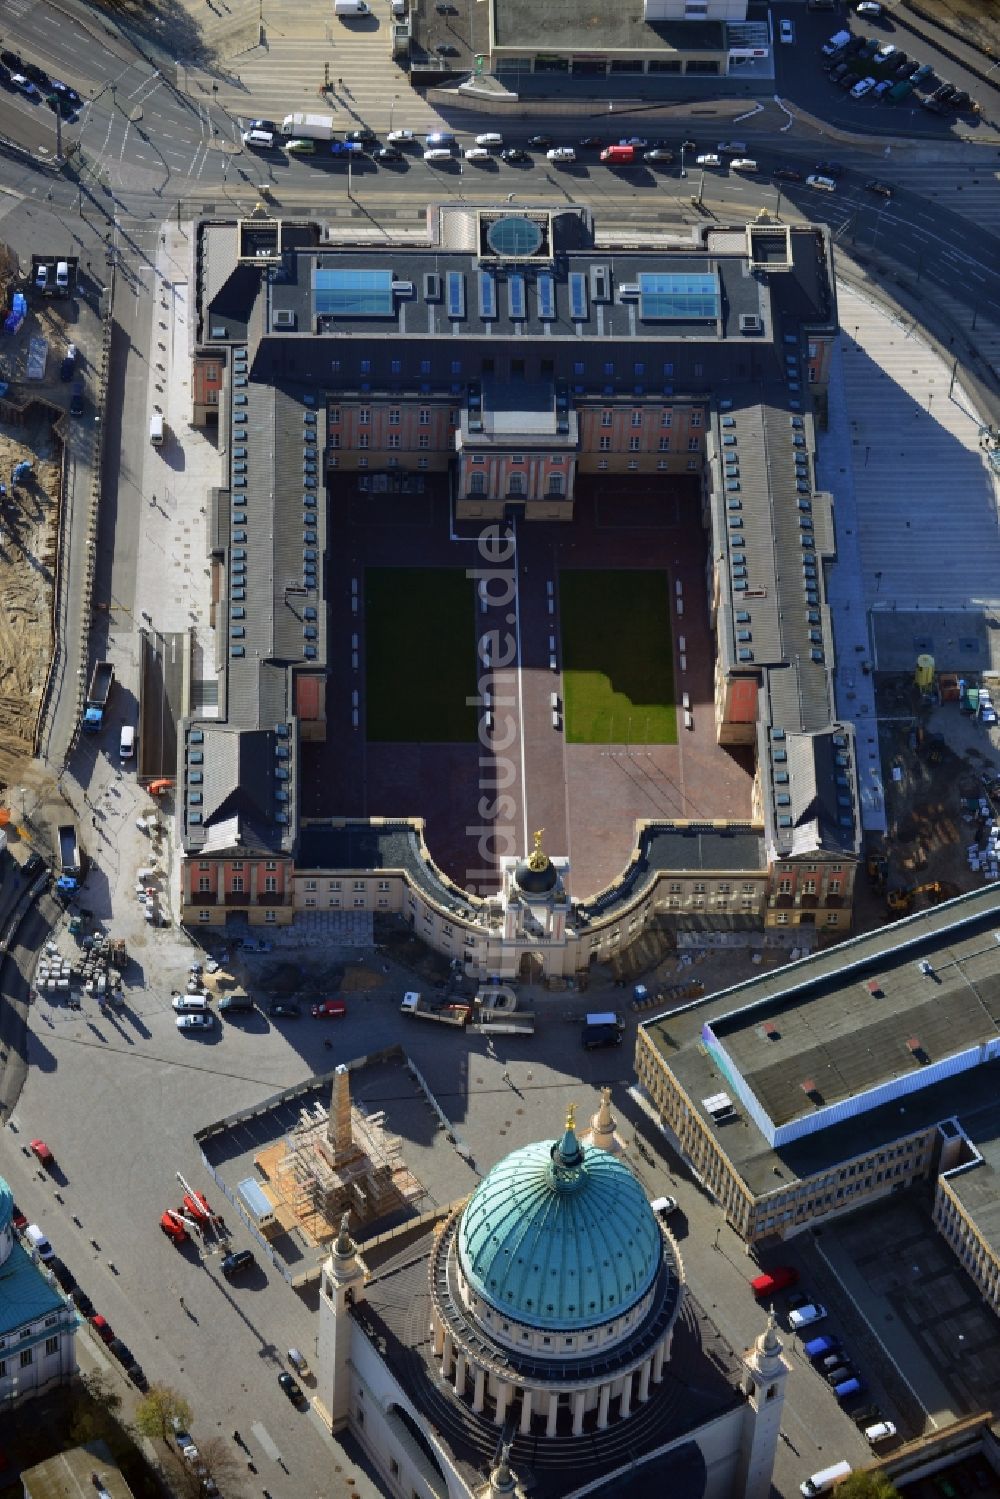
318	1153
940	754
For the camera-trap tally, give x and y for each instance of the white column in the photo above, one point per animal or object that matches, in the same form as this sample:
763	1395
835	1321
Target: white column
461	1365
550	1424
503	1400
579	1402
526	1412
479	1393
644	1374
658	1358
602	1407
447	1355
626	1405
438	1331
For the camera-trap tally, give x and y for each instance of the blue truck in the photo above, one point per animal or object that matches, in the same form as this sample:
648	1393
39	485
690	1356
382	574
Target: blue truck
97	698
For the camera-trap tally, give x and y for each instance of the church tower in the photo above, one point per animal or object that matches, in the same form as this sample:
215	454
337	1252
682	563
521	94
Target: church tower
341	1286
767	1371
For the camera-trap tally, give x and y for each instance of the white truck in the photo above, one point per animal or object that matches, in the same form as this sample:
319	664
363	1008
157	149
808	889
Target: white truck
308	127
489	1014
345	9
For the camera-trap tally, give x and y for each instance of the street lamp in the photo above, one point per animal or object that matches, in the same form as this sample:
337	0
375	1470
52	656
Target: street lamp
683	149
392	107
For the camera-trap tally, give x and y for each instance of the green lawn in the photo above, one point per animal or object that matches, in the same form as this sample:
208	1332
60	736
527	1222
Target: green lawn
420	655
617	658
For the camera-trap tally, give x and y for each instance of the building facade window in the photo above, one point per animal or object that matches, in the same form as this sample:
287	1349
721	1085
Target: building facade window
605	418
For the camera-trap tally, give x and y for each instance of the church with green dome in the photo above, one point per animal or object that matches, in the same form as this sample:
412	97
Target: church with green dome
540	1338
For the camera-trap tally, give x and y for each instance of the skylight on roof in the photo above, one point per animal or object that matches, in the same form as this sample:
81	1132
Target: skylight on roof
353	293
664	297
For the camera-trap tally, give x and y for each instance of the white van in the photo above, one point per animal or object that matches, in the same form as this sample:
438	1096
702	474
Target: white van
491	138
126	745
156	429
439	153
603	1017
823	1481
258	140
39	1243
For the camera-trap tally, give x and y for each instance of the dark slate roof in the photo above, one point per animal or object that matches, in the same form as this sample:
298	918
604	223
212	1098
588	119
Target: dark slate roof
674	846
388	845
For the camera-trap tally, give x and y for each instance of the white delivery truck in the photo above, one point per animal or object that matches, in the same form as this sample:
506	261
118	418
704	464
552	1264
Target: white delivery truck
308	127
345	9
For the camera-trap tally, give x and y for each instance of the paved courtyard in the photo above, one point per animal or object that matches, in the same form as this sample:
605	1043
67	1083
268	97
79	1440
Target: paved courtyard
586	797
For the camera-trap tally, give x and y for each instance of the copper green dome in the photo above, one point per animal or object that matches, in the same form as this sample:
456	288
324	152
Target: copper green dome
559	1237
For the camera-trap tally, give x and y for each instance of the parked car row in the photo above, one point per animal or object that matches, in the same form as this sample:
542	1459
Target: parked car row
35	84
37	1243
864	66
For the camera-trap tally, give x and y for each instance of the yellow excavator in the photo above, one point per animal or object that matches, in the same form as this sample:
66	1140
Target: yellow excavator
899	898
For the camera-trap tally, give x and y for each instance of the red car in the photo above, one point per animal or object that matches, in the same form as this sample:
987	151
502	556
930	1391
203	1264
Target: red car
779	1279
330	1009
20	1221
102	1328
41	1152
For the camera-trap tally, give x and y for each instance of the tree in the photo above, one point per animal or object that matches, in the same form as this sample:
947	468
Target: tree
156	1412
867	1486
214	1460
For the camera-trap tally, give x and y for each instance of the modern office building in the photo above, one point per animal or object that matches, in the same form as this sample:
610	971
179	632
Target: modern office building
494	366
846	1076
544	1324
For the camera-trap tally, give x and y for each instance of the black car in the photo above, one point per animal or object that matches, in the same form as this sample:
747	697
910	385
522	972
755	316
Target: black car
237	1263
138	1377
33	865
291	1388
445	49
68	93
60	106
882	188
597	1036
839	72
945	93
271	126
907	70
62	1273
515	154
364	137
591	142
4	75
388	153
540	142
959	101
787	174
284	1009
829	168
76	399
13	61
848	80
122	1353
68	367
935	106
36	74
82	1302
